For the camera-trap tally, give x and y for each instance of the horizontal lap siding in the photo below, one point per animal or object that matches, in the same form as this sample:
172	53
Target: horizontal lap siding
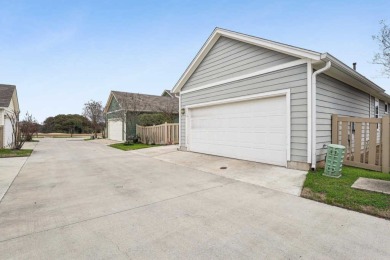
336	97
230	58
292	78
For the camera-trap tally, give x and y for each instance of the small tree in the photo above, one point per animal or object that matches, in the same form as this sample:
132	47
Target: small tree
93	110
17	140
28	127
383	57
169	110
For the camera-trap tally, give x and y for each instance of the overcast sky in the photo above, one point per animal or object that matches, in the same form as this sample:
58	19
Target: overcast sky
60	54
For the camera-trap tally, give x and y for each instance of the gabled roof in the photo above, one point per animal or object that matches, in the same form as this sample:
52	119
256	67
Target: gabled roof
7	93
167	92
146	103
338	69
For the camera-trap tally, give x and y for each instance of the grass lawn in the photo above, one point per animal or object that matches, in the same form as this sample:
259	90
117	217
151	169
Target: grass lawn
338	192
127	147
6	153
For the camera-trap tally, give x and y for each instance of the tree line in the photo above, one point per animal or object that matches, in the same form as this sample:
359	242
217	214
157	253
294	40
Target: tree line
71	123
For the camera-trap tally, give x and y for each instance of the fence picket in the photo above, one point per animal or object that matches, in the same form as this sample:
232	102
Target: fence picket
367	141
159	134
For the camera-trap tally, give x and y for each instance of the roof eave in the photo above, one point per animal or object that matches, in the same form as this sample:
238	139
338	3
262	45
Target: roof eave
348	70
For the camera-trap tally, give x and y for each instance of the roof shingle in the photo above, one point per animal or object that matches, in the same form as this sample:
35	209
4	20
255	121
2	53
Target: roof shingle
6	92
146	103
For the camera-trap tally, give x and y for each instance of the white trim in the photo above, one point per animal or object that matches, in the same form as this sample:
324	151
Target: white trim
314	113
284	92
376	103
249	75
309	100
370	108
179	120
275	46
217	33
188	126
288	126
114	111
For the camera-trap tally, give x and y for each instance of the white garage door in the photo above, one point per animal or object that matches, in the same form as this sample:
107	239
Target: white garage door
115	130
254	130
8	133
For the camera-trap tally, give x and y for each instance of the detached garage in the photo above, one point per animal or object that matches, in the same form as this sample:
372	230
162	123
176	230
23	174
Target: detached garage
9	107
253	99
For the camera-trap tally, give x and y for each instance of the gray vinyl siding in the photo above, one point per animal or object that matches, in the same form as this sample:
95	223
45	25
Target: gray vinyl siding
372	107
336	97
230	58
381	108
294	78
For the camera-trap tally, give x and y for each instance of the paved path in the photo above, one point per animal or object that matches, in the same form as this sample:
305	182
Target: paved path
9	169
77	199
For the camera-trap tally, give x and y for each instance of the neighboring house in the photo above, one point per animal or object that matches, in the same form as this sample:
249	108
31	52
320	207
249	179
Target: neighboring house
168	93
253	99
9	105
123	108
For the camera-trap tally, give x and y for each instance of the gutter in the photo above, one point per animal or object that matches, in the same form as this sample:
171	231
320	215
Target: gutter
314	113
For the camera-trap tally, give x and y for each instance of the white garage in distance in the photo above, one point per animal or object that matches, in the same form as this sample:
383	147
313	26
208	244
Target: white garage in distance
115	130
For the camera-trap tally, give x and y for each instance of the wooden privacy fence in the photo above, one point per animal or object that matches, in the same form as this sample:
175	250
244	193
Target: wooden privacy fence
367	141
159	134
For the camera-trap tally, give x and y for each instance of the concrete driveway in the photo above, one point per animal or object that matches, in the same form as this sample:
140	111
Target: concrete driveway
77	199
273	177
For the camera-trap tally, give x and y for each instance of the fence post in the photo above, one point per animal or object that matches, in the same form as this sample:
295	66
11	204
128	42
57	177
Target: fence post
335	129
166	133
385	144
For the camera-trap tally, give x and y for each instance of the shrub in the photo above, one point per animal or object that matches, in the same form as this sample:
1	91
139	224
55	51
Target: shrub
151	119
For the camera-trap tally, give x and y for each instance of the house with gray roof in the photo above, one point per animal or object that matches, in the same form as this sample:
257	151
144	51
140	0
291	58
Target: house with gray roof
254	99
123	109
9	105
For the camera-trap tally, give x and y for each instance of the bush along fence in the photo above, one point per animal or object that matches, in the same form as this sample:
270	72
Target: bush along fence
367	141
158	134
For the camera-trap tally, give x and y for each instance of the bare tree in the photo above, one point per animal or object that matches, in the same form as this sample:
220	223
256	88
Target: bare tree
28	127
93	110
383	57
17	139
169	110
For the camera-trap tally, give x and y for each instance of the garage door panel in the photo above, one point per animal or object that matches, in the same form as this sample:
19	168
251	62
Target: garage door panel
115	130
254	130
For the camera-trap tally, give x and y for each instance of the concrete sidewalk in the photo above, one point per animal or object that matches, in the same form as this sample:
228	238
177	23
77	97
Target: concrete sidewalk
10	167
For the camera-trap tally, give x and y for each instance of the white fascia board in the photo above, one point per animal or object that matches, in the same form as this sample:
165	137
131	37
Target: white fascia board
249	75
279	47
348	70
276	46
108	103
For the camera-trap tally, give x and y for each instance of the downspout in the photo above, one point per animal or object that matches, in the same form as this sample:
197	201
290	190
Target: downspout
314	113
